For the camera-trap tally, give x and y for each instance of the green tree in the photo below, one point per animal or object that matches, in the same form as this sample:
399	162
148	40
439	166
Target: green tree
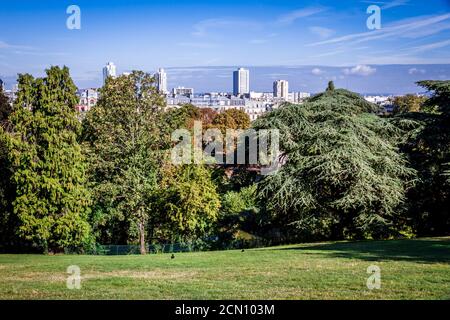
8	223
183	117
408	103
330	86
51	201
427	145
231	119
125	139
189	202
5	108
342	176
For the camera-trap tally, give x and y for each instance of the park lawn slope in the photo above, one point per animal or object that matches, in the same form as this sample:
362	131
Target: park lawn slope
410	269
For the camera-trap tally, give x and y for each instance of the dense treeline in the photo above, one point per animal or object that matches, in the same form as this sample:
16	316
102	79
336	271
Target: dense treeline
347	172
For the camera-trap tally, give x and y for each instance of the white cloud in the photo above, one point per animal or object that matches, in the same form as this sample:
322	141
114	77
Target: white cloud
292	16
416	71
360	70
317	72
322	32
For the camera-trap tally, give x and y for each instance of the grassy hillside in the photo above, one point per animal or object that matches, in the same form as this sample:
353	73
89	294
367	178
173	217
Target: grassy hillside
410	269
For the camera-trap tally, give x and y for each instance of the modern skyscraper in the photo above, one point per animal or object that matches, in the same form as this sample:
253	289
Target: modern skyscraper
161	81
281	89
109	71
241	81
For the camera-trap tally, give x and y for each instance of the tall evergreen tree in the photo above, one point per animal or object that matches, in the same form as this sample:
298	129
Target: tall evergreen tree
427	145
342	177
51	201
330	86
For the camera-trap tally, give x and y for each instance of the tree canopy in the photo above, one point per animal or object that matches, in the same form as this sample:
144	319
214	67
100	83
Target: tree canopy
51	201
408	103
427	145
125	141
342	176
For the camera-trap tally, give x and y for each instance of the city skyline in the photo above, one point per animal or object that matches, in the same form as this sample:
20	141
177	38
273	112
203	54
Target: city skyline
201	34
364	79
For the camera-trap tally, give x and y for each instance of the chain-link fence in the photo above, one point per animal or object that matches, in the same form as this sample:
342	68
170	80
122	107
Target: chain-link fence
175	247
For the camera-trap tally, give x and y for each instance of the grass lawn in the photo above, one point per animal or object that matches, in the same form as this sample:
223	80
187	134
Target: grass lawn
410	269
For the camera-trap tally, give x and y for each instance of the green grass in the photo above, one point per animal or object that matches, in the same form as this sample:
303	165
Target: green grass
410	269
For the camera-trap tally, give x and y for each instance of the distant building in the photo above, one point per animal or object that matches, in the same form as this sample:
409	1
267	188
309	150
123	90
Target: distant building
255	109
182	91
385	102
241	82
109	71
377	99
2	84
281	89
297	97
11	94
87	99
161	81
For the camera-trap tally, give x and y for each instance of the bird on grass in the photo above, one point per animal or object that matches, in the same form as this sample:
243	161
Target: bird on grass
173	256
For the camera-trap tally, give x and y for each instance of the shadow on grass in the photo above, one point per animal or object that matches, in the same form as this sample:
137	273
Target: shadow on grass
435	250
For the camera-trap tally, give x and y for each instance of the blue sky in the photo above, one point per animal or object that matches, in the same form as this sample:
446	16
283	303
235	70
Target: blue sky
183	35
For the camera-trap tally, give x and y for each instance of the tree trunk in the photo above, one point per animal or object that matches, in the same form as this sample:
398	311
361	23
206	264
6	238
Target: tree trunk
142	237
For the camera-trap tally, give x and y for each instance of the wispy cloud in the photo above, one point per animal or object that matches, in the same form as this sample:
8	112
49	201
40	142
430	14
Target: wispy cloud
322	32
292	16
39	53
264	39
395	3
258	41
23	50
330	53
200	45
431	46
203	27
391	31
430	30
401	58
389	4
5	45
